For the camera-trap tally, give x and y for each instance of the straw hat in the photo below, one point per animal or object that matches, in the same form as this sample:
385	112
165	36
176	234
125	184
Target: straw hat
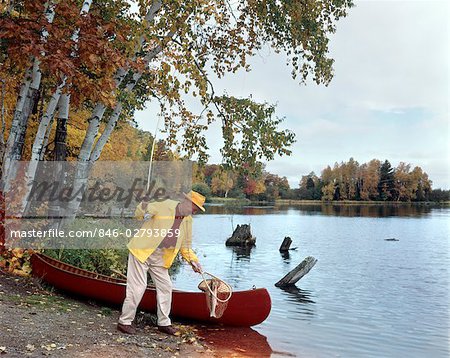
197	198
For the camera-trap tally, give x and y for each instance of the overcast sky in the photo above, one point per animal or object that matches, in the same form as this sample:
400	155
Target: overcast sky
388	99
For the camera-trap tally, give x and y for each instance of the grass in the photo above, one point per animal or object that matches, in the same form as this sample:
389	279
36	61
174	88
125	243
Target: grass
218	199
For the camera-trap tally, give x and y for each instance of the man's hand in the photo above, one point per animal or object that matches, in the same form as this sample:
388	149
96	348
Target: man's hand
196	266
144	205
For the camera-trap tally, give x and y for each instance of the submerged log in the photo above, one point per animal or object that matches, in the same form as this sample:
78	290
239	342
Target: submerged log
296	274
242	236
286	244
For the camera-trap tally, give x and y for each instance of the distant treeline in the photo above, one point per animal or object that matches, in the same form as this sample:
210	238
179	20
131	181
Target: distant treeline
372	181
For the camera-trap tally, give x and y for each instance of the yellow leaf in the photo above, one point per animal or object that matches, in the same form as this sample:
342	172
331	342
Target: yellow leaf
18	253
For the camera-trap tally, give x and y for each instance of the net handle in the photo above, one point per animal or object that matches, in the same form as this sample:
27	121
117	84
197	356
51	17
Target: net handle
211	291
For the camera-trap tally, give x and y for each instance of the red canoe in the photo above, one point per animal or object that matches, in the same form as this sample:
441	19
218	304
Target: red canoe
245	308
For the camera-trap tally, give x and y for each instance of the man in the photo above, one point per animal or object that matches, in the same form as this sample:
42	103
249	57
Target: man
167	230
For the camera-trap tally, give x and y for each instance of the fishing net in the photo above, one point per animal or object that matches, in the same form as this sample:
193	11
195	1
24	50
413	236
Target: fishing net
217	292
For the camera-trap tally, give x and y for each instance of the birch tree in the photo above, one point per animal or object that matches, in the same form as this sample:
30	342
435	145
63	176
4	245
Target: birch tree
100	107
2	122
90	153
25	101
170	51
48	117
55	207
80	70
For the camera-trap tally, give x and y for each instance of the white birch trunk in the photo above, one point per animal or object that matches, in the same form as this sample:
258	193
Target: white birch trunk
87	155
22	110
151	13
2	128
46	138
83	164
106	132
14	154
99	110
36	74
61	128
91	133
55	207
21	101
15	125
118	109
96	152
43	125
38	144
46	119
2	114
51	107
86	159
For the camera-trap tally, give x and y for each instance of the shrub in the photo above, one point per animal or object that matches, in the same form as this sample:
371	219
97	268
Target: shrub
202	188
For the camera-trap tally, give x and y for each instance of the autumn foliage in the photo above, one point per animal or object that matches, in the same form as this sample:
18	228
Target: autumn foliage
89	65
75	72
350	180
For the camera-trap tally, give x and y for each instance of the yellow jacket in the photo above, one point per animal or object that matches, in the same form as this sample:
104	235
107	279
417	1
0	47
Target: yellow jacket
153	231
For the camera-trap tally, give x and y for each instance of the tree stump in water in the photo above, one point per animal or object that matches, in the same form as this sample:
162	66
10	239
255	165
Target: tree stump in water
286	244
296	274
241	237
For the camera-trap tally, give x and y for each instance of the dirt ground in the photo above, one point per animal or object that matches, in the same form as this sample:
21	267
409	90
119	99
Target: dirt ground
36	322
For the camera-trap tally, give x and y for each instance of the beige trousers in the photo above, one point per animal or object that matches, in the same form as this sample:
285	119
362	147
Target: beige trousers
137	283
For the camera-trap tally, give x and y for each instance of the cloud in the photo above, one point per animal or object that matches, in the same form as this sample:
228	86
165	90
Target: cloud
388	99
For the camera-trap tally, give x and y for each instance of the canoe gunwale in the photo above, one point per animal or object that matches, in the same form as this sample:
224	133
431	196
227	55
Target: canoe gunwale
76	270
96	276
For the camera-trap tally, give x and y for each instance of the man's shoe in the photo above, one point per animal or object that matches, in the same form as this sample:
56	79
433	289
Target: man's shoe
126	328
168	330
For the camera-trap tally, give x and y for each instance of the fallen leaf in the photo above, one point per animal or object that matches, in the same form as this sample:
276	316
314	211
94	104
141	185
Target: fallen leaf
30	347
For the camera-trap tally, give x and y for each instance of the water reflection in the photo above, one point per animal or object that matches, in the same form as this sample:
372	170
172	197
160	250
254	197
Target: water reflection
376	210
349	210
297	294
366	210
241	253
286	256
302	299
236	342
335	308
238	209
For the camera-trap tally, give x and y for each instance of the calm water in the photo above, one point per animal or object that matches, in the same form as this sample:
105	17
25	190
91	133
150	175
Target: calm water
366	297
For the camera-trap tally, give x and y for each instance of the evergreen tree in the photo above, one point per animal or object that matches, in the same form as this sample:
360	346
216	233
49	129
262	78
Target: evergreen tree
386	184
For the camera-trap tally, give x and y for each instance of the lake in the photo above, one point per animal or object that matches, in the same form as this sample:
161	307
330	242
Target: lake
365	297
